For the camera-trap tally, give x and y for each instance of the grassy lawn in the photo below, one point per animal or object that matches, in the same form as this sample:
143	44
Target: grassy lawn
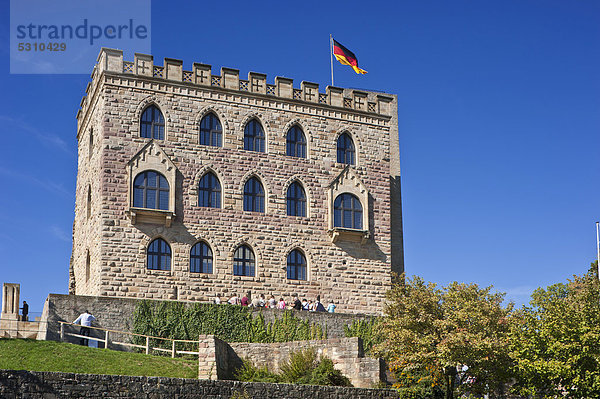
25	354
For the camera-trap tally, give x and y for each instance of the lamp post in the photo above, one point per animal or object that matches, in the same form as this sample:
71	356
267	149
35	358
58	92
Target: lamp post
450	372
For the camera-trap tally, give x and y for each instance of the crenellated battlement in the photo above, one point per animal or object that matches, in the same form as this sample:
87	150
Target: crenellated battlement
111	60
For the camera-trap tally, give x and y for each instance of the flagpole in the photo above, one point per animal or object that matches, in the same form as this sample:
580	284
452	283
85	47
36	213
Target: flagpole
598	247
331	54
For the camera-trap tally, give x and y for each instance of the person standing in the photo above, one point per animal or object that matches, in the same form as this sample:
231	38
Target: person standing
297	303
25	312
331	307
85	319
281	304
245	301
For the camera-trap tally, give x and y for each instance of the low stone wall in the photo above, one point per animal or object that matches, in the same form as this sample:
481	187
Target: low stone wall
33	385
117	314
346	353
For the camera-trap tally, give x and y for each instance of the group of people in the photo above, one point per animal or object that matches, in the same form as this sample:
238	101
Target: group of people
272	303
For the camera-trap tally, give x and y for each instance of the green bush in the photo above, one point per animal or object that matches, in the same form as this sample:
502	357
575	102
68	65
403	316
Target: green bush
302	367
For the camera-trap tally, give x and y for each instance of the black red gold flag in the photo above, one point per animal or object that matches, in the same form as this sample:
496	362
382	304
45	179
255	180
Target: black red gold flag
346	57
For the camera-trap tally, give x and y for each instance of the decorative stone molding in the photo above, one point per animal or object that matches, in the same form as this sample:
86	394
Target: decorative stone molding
152	157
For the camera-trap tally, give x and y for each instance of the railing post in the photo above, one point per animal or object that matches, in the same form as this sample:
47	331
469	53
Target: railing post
62	331
106	339
147	345
173	349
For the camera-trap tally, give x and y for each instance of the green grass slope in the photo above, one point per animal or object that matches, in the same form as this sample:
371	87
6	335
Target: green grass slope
25	354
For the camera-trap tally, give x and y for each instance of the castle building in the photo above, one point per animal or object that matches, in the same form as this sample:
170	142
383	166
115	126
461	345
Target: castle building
192	185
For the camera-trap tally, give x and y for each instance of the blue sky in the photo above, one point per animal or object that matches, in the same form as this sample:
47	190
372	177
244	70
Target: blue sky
499	117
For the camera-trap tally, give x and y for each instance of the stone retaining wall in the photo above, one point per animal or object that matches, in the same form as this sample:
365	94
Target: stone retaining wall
117	314
32	385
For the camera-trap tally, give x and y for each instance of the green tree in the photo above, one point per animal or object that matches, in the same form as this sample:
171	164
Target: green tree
555	341
427	328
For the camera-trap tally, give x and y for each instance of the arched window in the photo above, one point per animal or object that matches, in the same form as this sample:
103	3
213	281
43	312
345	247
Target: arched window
201	258
159	255
254	196
296	265
152	123
296	142
243	261
347	212
345	149
151	190
296	200
209	191
210	131
254	136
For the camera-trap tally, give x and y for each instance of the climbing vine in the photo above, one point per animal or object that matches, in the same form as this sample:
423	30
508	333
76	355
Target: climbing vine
178	320
365	329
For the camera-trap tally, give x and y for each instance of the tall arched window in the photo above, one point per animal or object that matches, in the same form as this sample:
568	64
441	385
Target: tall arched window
210	130
209	191
296	265
152	124
254	196
296	200
151	190
159	255
345	149
296	142
254	136
201	258
347	212
243	261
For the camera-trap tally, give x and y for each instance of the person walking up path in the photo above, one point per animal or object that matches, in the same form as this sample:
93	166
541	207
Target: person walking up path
85	319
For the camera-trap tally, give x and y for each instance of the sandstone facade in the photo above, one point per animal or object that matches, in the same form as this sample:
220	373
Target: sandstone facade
352	267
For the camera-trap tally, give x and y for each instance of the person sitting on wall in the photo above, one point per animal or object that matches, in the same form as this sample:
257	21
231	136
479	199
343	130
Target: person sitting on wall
331	307
25	312
234	300
305	304
217	300
297	303
245	301
318	305
85	319
272	302
281	304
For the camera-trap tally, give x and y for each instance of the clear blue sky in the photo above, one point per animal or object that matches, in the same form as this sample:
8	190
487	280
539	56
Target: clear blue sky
499	117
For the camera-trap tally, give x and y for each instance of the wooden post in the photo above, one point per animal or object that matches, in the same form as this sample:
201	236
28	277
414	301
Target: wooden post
173	349
62	331
106	339
147	345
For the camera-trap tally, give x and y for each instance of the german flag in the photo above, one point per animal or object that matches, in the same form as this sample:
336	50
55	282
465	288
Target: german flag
346	57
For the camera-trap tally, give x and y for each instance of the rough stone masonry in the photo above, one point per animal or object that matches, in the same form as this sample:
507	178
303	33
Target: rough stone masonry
117	243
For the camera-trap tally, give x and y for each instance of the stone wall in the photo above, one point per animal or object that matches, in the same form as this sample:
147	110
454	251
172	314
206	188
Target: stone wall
117	314
110	241
346	353
33	385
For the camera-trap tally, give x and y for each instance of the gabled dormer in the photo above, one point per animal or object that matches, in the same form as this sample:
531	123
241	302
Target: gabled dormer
348	204
151	194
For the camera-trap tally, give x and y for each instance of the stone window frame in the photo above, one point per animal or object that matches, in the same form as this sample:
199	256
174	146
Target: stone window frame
151	157
147	187
307	136
193	190
258	258
298	249
348	181
255	138
219	205
209	240
356	139
172	256
309	264
266	126
141	107
220	114
213	258
240	202
307	192
205	115
152	124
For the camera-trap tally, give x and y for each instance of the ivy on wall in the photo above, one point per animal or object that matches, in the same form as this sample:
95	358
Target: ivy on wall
177	320
367	330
